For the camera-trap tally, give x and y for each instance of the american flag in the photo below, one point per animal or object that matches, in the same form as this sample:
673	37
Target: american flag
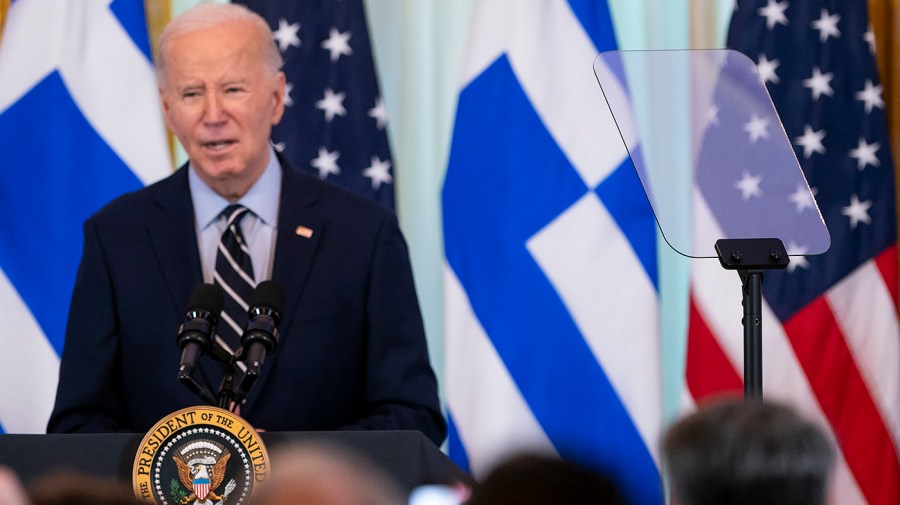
831	343
335	120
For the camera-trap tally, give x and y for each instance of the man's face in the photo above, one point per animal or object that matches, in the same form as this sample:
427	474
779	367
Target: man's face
221	102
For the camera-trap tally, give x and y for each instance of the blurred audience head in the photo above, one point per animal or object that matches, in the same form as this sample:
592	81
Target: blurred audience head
736	452
77	489
11	491
531	479
318	474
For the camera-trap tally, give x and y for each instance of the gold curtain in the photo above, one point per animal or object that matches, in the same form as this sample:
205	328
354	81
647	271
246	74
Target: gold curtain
704	24
885	18
158	14
4	6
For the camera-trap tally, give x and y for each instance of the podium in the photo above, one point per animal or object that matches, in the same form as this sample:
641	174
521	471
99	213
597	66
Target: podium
409	457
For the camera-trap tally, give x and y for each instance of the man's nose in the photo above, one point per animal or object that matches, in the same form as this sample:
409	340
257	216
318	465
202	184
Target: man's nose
215	109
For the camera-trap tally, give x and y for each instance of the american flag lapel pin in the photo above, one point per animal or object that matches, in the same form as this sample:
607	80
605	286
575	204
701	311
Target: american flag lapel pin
303	231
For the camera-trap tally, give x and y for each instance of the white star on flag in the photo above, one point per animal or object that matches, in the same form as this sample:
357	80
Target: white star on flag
326	163
379	113
827	26
819	83
749	186
857	211
774	13
332	104
871	96
767	68
757	127
864	154
286	35
332	72
869	37
378	171
811	141
796	252
803	198
288	101
337	44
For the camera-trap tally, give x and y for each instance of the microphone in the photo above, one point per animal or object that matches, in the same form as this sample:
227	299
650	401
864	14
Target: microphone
261	336
195	335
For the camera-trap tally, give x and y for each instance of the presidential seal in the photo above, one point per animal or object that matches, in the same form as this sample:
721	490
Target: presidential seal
199	456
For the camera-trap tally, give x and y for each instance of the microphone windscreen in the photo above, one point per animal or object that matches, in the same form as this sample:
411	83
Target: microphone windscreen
207	297
268	294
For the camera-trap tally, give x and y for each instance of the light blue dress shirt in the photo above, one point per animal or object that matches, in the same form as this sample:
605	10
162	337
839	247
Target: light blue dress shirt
259	227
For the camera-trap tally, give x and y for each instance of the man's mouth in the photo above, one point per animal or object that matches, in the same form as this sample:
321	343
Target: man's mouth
217	144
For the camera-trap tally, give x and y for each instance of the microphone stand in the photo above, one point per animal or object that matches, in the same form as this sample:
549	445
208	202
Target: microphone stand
232	391
227	394
186	377
194	337
258	339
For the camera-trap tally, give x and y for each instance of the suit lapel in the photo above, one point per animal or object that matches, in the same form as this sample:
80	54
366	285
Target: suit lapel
300	227
174	238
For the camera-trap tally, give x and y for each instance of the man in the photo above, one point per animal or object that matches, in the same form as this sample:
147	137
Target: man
352	353
744	453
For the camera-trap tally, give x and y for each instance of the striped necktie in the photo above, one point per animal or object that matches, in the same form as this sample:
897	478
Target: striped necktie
234	273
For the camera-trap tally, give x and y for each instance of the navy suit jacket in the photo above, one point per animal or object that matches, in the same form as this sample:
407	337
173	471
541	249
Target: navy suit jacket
352	353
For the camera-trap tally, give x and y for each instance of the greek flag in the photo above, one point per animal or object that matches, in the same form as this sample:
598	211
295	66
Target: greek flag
80	123
551	282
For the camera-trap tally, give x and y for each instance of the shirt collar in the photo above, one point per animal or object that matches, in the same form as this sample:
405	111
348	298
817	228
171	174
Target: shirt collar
262	199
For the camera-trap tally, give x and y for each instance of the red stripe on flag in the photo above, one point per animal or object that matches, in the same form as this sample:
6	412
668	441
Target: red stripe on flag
887	265
708	371
846	402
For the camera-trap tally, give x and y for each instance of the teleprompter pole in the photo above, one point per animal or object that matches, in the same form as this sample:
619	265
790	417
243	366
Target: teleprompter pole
752	321
751	258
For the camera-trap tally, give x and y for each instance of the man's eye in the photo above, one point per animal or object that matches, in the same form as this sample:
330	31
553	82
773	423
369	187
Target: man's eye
233	89
190	94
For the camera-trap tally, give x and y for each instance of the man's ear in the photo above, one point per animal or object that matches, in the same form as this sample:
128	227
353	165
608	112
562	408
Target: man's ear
278	112
164	102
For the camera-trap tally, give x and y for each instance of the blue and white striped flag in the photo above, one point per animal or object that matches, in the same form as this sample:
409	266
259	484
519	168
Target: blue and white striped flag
551	296
80	123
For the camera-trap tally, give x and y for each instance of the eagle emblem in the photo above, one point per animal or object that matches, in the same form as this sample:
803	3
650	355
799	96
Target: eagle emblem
201	468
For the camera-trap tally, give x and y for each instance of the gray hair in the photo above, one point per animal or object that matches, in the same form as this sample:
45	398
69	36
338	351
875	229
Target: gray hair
208	15
734	452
